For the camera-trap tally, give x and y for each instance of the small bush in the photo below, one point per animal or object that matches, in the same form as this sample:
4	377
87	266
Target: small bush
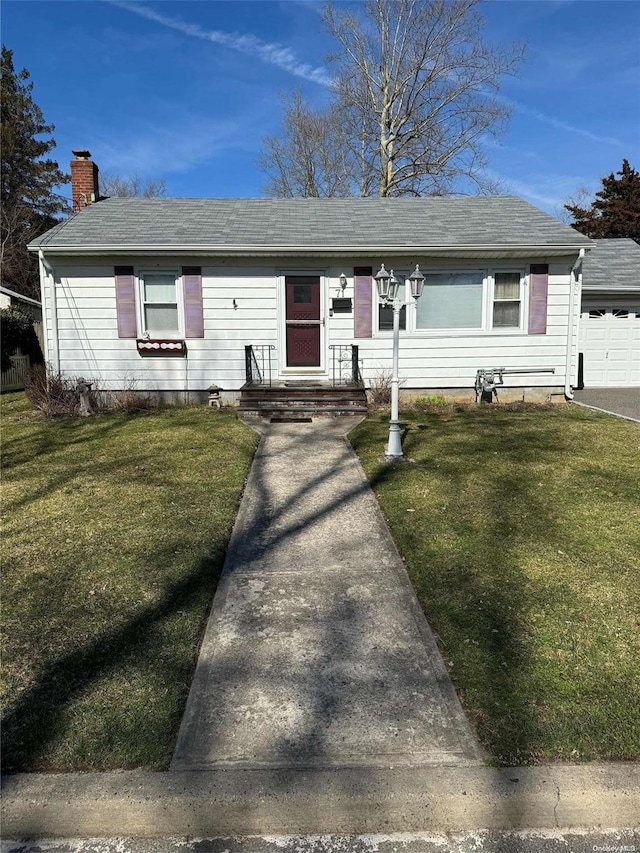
380	389
54	396
428	402
132	401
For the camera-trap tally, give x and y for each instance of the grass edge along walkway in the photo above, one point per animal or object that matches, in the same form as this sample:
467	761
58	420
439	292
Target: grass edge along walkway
520	530
114	534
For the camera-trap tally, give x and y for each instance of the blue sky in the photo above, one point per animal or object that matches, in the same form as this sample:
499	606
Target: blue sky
186	90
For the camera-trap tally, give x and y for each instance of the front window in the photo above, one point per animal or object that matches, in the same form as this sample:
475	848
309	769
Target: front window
160	314
385	312
507	300
462	301
451	300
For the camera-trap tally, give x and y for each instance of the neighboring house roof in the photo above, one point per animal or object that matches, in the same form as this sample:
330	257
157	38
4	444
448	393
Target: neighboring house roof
262	226
613	264
20	297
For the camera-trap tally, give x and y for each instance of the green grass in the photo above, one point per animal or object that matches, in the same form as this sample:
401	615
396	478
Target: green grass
114	533
520	528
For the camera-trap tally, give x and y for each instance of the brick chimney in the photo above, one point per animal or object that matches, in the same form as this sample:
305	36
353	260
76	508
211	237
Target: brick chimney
84	180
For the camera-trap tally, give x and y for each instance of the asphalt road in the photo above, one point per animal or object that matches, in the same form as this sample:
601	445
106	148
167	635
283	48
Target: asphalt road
623	841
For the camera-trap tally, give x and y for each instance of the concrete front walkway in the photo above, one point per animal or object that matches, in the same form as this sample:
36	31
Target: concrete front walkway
317	653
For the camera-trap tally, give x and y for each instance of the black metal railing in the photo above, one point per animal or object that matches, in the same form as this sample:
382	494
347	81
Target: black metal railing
257	363
345	364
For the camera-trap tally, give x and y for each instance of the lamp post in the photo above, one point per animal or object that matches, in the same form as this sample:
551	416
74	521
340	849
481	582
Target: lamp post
388	289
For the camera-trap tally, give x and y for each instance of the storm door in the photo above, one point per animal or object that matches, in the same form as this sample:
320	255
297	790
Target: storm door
303	320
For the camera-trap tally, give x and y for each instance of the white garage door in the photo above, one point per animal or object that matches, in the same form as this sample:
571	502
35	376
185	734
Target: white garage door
610	347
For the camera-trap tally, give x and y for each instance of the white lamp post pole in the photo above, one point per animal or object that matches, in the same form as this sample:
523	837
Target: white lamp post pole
394	445
388	288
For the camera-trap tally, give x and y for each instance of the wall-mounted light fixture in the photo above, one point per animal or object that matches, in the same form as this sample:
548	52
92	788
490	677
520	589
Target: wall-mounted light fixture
343	281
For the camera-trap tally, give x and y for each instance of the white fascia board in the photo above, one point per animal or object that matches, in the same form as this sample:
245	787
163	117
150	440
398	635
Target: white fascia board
20	296
611	288
483	250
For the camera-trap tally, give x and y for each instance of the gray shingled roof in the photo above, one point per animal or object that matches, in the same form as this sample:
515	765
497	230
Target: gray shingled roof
311	223
612	265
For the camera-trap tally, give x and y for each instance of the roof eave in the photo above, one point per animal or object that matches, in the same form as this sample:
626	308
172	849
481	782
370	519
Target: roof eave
611	288
472	251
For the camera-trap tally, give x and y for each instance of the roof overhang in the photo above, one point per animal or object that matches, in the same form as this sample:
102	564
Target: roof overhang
472	251
605	289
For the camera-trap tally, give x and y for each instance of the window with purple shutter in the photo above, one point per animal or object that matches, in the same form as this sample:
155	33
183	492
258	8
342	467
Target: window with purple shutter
538	298
126	302
193	317
362	309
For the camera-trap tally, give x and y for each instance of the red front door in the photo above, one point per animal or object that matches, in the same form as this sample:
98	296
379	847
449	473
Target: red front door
303	320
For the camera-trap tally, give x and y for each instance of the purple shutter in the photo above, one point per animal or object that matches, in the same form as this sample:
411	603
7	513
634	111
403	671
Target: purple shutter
126	302
193	318
538	297
363	289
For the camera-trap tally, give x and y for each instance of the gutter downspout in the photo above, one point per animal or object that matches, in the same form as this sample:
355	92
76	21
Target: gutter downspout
47	277
573	281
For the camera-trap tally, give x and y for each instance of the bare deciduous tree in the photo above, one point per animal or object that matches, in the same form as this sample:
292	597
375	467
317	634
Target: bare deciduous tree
579	198
415	92
420	80
312	158
120	186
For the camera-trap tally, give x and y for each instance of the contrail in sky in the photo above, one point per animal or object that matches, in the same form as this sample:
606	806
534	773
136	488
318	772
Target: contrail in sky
271	52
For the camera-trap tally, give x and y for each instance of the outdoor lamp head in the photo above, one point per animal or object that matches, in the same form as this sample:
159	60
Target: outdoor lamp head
394	286
416	280
382	282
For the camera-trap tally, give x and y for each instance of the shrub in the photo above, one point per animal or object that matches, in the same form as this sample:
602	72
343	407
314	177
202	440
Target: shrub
131	400
16	331
54	396
427	402
380	389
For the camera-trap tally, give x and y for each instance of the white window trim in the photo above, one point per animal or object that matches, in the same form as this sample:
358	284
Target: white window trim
140	304
524	307
488	289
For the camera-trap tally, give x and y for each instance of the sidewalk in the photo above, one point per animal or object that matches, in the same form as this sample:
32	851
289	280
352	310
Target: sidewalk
316	653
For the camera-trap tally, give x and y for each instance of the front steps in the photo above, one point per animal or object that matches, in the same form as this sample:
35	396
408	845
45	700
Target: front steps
293	400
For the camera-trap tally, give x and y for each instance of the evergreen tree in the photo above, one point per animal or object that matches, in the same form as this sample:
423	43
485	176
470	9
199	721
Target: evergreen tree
615	211
29	203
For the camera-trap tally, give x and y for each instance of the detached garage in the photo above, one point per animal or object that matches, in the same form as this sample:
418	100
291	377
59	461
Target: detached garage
609	333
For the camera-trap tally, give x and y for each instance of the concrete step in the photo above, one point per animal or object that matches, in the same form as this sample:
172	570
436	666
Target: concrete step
303	399
279	411
261	402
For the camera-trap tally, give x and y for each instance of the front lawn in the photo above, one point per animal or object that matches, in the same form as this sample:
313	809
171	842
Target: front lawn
114	533
521	533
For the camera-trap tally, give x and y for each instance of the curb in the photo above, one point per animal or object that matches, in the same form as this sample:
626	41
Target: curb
344	801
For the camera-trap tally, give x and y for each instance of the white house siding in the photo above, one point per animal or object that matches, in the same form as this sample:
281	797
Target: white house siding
88	342
431	360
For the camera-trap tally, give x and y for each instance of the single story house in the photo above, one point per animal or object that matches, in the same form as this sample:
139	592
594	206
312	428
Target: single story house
179	294
609	338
